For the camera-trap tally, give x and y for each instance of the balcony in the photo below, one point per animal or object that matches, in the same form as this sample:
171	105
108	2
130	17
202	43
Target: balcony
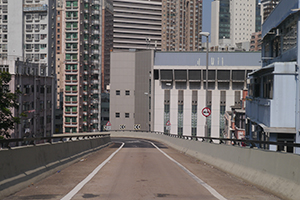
95	71
95	22
71	102
69	124
95	81
70	113
95	101
96	2
95	111
95	121
95	51
96	32
95	91
96	12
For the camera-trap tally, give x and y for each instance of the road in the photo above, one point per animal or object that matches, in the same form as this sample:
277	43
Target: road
137	169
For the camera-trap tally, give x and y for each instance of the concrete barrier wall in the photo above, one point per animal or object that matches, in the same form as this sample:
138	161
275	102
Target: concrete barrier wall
21	166
276	172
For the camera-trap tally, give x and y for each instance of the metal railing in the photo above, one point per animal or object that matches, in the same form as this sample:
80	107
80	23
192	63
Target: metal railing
227	141
8	143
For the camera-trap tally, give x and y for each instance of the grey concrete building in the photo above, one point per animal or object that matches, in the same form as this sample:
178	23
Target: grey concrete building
130	96
35	100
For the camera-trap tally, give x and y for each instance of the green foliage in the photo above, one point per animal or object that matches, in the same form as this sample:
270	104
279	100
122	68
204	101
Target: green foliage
8	100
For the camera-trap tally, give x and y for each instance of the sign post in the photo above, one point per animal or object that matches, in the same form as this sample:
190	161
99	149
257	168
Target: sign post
168	125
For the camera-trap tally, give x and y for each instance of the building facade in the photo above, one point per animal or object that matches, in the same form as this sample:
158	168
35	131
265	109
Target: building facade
27	46
267	7
60	72
273	101
220	22
233	22
165	91
179	90
256	41
82	65
107	42
35	98
130	94
137	24
181	25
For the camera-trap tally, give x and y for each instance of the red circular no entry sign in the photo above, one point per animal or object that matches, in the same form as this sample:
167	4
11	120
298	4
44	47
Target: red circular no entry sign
206	111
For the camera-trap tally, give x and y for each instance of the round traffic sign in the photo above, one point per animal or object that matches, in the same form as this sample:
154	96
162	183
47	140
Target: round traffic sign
206	111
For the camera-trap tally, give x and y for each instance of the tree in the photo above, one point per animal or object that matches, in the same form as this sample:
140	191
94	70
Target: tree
8	101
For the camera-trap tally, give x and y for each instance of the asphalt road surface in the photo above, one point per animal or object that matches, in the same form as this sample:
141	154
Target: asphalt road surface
137	169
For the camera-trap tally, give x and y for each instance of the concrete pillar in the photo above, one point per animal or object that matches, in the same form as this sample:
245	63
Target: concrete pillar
273	138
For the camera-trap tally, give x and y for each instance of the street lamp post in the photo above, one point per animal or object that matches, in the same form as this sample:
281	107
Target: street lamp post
206	34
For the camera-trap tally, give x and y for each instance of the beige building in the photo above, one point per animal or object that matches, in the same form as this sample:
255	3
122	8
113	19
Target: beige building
130	94
181	25
60	75
81	48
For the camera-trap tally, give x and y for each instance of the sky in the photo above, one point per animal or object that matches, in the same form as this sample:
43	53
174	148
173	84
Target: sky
206	10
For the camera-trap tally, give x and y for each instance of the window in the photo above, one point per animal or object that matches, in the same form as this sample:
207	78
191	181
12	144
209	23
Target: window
126	115
117	115
127	92
117	92
268	86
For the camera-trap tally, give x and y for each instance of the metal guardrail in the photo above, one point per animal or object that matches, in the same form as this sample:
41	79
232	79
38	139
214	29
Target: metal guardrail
7	143
227	141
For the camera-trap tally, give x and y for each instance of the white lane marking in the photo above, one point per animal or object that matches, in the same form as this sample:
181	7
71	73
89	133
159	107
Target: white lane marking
90	176
209	188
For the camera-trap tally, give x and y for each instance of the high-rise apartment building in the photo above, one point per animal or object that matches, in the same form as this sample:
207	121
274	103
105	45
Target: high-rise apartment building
27	34
267	7
107	41
59	56
233	22
137	24
82	65
242	20
181	25
220	21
